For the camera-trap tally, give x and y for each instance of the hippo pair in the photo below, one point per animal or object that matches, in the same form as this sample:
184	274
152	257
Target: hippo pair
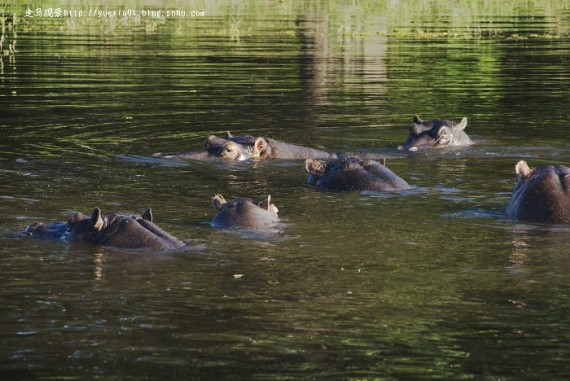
135	231
352	173
540	195
435	133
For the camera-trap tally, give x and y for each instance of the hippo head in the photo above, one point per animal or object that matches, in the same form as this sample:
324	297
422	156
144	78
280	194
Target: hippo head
541	194
244	212
316	169
57	230
121	230
236	148
342	174
435	133
82	227
348	173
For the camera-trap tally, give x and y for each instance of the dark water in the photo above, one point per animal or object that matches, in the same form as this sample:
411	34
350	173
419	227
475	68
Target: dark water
432	283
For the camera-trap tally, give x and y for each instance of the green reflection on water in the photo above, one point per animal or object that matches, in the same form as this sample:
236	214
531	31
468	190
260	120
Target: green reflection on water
423	285
425	19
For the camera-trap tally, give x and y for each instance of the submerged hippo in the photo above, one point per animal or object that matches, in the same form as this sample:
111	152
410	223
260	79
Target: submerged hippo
541	194
348	173
121	230
245	213
56	231
435	133
248	147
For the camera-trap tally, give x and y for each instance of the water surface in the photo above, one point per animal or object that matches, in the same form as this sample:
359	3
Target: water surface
431	283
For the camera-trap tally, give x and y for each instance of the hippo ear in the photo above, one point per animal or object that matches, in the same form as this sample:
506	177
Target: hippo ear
382	161
96	219
267	205
416	129
462	124
315	167
416	120
260	145
522	169
147	215
76	217
229	135
218	201
209	143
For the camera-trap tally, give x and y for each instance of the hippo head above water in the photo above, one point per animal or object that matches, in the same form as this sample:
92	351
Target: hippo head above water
234	148
247	147
541	194
121	230
435	133
56	231
244	212
348	173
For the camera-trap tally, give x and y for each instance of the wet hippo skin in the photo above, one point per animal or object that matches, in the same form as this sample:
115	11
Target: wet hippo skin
541	194
348	173
244	212
435	133
248	147
116	229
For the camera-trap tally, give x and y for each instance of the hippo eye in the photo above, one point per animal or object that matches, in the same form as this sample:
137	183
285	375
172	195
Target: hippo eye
416	129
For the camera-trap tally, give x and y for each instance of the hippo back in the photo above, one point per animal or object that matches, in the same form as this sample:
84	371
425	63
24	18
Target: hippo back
137	234
244	213
280	150
352	173
541	194
121	230
247	147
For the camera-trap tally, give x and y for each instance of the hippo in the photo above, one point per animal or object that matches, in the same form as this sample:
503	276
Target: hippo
541	194
55	231
248	147
435	133
347	173
245	213
120	230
